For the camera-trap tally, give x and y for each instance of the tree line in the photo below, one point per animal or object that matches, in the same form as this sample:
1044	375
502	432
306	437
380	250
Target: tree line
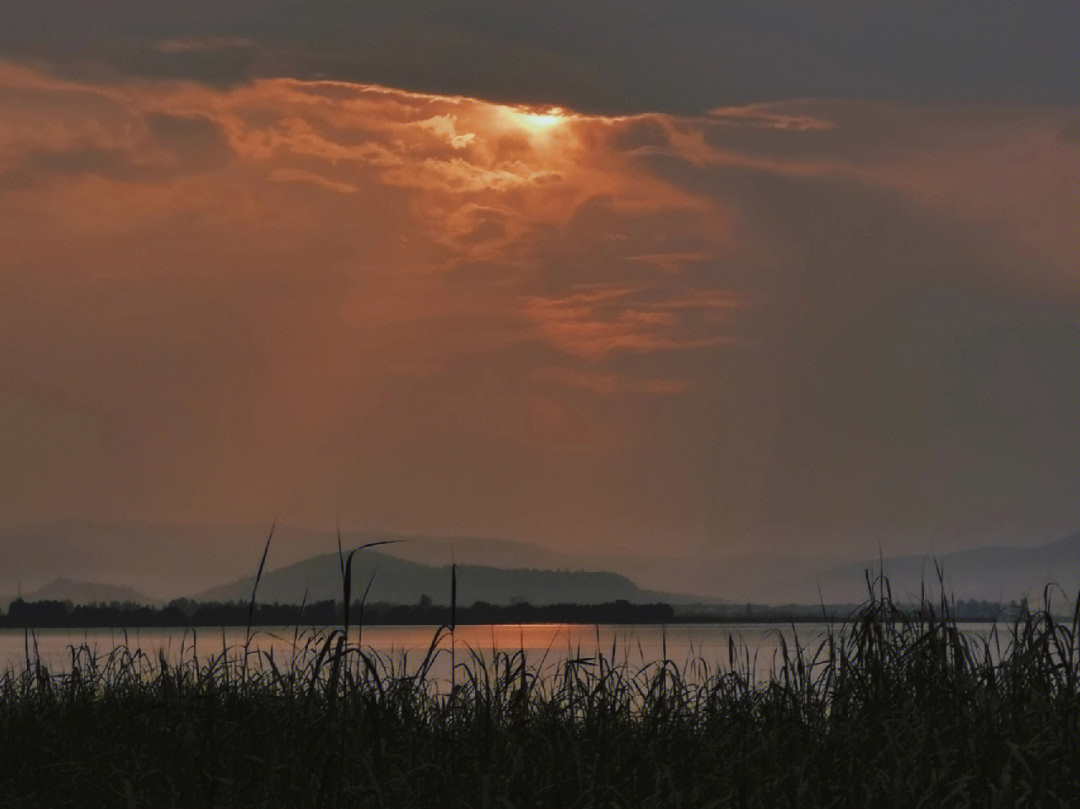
187	613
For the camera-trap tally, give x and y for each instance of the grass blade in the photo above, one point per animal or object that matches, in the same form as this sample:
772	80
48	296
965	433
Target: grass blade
258	577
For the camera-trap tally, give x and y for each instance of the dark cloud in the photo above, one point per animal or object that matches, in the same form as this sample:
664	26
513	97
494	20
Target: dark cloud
195	143
643	133
38	166
635	55
218	63
175	145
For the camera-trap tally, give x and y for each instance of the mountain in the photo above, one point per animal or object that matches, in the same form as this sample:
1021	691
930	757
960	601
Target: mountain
758	578
674	580
489	552
84	592
996	573
168	561
399	581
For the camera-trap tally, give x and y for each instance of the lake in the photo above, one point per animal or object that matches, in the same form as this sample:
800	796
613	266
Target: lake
404	647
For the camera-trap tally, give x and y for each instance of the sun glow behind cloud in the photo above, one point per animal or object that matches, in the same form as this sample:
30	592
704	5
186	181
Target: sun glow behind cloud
535	122
288	258
436	313
543	121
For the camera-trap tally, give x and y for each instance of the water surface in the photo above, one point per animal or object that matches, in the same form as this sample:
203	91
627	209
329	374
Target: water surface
695	648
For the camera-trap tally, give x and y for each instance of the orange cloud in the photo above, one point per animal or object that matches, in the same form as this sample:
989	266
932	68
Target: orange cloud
440	313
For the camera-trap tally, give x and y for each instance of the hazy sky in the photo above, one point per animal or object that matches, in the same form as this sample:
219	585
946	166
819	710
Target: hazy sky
778	276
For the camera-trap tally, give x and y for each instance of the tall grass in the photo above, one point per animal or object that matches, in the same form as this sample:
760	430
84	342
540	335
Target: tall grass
891	709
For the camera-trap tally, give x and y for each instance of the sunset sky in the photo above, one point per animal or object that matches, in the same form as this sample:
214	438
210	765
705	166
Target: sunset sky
701	277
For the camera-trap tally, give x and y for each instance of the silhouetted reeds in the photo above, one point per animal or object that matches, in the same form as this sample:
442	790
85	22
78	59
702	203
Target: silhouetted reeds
891	709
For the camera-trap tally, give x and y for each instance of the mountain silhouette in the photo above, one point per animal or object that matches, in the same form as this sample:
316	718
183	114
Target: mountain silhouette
993	573
400	581
84	592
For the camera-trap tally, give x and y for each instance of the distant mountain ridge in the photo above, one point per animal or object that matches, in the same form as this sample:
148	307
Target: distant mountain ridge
170	561
83	592
992	573
399	581
159	559
485	551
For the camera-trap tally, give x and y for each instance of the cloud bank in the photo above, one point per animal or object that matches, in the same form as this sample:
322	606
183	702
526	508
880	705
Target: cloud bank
631	56
785	324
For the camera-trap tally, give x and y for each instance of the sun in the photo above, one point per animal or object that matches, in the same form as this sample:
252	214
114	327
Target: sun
535	122
543	120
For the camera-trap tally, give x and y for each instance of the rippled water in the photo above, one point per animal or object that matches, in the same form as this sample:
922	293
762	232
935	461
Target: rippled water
694	648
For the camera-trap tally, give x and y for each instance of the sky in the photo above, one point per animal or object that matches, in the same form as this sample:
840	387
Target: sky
692	277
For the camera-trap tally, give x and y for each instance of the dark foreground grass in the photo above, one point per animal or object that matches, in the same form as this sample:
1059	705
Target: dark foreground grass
890	710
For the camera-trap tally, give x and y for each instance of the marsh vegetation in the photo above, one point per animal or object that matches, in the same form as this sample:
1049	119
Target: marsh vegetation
889	709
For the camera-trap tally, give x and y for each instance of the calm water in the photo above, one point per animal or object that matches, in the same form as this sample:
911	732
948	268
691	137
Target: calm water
545	645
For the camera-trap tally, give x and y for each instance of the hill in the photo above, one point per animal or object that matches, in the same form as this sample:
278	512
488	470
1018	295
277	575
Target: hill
84	592
170	561
994	573
402	582
165	562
